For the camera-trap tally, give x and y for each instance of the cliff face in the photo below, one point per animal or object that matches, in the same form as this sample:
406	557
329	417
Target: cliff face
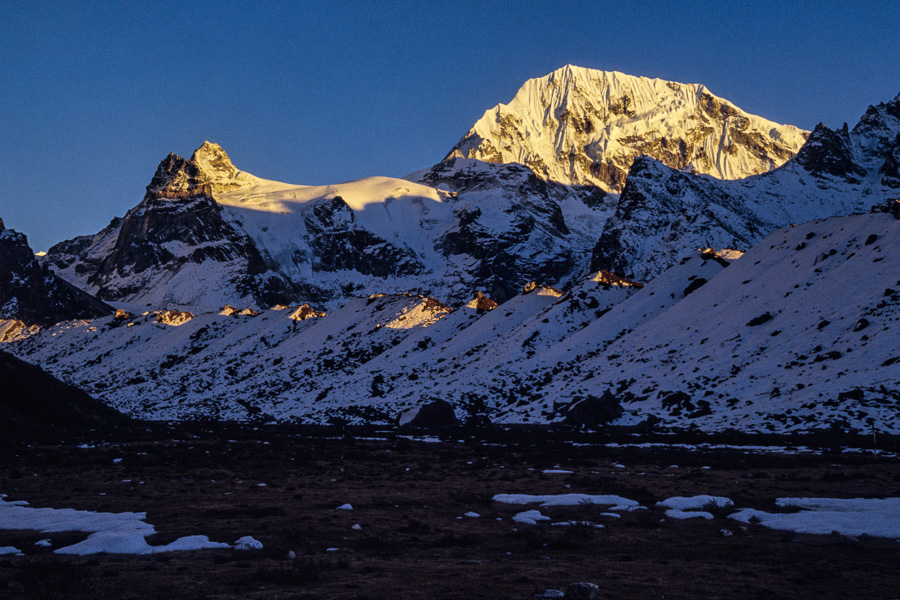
581	126
31	293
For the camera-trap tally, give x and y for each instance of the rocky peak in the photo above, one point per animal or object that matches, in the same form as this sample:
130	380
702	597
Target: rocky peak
586	127
213	161
208	171
829	152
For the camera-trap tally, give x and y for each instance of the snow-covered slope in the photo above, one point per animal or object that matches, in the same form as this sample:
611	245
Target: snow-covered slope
798	333
208	234
801	332
582	126
663	214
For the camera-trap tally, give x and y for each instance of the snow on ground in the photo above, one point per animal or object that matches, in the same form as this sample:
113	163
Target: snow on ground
615	502
248	543
879	517
530	517
7	550
577	523
688	514
684	503
113	533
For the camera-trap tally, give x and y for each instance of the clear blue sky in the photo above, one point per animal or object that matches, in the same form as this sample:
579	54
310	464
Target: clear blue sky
94	94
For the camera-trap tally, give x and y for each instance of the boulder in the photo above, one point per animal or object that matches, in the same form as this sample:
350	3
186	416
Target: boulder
437	413
582	591
594	410
481	303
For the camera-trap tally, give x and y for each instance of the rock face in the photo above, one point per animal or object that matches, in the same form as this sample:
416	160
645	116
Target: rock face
582	126
207	234
175	245
33	294
663	214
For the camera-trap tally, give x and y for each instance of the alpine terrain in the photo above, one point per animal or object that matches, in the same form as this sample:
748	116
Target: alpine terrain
604	248
581	126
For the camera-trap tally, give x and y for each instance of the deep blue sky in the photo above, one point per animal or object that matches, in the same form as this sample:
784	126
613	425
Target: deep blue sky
93	94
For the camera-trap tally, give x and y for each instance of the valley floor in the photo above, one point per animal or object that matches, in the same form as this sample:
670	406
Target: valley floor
408	534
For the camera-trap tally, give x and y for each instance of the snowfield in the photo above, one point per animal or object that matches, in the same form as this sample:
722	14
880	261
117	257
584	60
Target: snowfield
110	533
797	334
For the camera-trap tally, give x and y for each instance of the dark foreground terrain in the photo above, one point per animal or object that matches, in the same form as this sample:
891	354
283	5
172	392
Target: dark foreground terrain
409	498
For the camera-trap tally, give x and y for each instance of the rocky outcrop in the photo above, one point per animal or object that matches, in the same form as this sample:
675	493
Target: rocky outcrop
208	171
34	295
829	152
538	242
437	413
338	244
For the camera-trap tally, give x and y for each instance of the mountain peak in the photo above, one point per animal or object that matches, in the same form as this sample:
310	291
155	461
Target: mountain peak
212	159
583	126
208	171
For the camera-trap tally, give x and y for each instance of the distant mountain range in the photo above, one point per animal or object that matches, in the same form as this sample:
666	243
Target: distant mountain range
560	206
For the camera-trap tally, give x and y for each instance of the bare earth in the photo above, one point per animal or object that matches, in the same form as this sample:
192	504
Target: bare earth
408	497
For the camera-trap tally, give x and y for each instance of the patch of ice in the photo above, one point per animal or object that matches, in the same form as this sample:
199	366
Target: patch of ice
344	507
114	533
7	550
43	543
530	517
556	471
674	513
248	543
879	517
615	502
683	503
472	515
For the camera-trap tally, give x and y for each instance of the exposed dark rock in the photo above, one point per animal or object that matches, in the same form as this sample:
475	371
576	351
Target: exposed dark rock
482	303
694	285
582	591
33	294
763	318
829	152
437	413
594	410
338	244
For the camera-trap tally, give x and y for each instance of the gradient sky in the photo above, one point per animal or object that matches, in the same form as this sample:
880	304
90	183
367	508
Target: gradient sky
94	94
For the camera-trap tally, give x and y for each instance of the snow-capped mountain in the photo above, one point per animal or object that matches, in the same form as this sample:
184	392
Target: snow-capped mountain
582	126
662	214
207	234
798	333
31	294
